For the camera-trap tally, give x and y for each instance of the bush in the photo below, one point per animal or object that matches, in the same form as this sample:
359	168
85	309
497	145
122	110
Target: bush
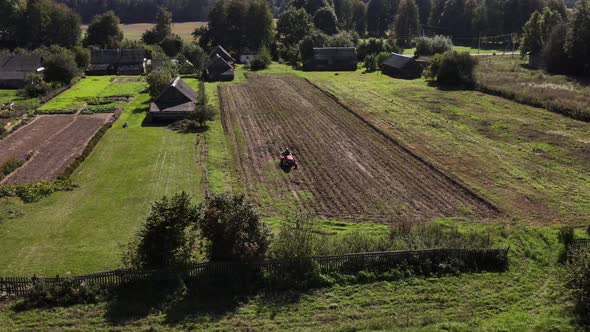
289	54
452	68
375	46
233	229
61	67
380	58
69	292
33	192
262	60
370	63
35	86
10	166
159	79
172	45
82	56
432	45
204	114
167	237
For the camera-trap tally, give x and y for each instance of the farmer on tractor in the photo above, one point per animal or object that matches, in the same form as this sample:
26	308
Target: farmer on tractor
287	160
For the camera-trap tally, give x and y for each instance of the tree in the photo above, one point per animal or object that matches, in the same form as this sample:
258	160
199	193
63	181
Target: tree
46	23
60	67
167	237
344	10
104	31
82	56
161	30
195	55
325	19
376	19
306	46
293	26
259	25
172	45
262	60
8	24
204	114
452	68
577	43
407	21
424	10
537	29
159	79
554	51
432	45
359	18
35	86
233	229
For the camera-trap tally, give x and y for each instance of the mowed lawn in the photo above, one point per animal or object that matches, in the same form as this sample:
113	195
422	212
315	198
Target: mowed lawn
81	231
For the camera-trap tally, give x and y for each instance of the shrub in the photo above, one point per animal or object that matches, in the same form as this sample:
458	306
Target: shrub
375	46
82	56
10	166
167	237
35	86
432	45
262	60
233	229
370	63
159	79
69	292
33	192
289	54
380	58
204	114
452	68
172	45
60	67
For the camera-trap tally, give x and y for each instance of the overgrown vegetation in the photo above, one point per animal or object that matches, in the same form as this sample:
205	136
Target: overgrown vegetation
9	167
432	45
452	69
578	280
33	192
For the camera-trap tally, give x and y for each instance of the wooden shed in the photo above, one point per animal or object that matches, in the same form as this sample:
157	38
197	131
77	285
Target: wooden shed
15	68
177	102
402	66
219	70
332	59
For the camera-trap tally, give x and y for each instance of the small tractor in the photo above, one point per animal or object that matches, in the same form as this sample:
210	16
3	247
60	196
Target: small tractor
287	161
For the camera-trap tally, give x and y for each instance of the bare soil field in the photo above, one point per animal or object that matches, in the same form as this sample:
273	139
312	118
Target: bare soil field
52	141
348	169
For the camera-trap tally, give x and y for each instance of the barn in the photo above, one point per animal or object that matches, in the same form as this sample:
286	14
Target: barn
402	66
220	51
15	68
218	69
175	103
332	59
117	62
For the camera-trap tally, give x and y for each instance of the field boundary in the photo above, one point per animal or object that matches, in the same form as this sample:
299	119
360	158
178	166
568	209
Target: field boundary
579	244
473	259
431	165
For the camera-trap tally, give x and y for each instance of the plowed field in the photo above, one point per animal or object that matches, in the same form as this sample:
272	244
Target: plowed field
52	141
348	169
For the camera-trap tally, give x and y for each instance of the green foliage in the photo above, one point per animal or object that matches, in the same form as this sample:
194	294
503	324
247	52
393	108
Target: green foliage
159	79
44	22
33	192
262	60
161	30
375	46
68	293
407	21
168	237
578	281
370	63
379	58
293	26
104	31
9	166
537	30
195	55
452	68
61	67
554	53
325	19
233	229
35	86
432	45
204	114
171	45
577	43
82	56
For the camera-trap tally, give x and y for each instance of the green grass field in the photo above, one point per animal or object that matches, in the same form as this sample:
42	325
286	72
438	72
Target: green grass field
90	88
471	50
530	162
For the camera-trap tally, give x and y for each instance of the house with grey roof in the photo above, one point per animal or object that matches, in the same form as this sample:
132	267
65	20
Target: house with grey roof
402	66
220	51
117	62
332	59
218	69
14	69
177	102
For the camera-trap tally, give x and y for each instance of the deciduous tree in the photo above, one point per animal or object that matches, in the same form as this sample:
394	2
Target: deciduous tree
104	31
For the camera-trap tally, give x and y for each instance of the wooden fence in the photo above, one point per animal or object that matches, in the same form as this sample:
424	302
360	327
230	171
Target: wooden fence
580	244
471	260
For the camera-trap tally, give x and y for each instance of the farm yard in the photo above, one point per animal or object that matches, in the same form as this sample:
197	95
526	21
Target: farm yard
349	170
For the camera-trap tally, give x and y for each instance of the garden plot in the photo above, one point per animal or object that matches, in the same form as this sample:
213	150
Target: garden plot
348	169
50	143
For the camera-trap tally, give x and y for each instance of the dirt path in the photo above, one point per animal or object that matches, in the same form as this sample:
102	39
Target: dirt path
348	170
54	142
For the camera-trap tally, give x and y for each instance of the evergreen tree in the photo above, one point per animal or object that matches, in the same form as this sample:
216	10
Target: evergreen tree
577	42
407	21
